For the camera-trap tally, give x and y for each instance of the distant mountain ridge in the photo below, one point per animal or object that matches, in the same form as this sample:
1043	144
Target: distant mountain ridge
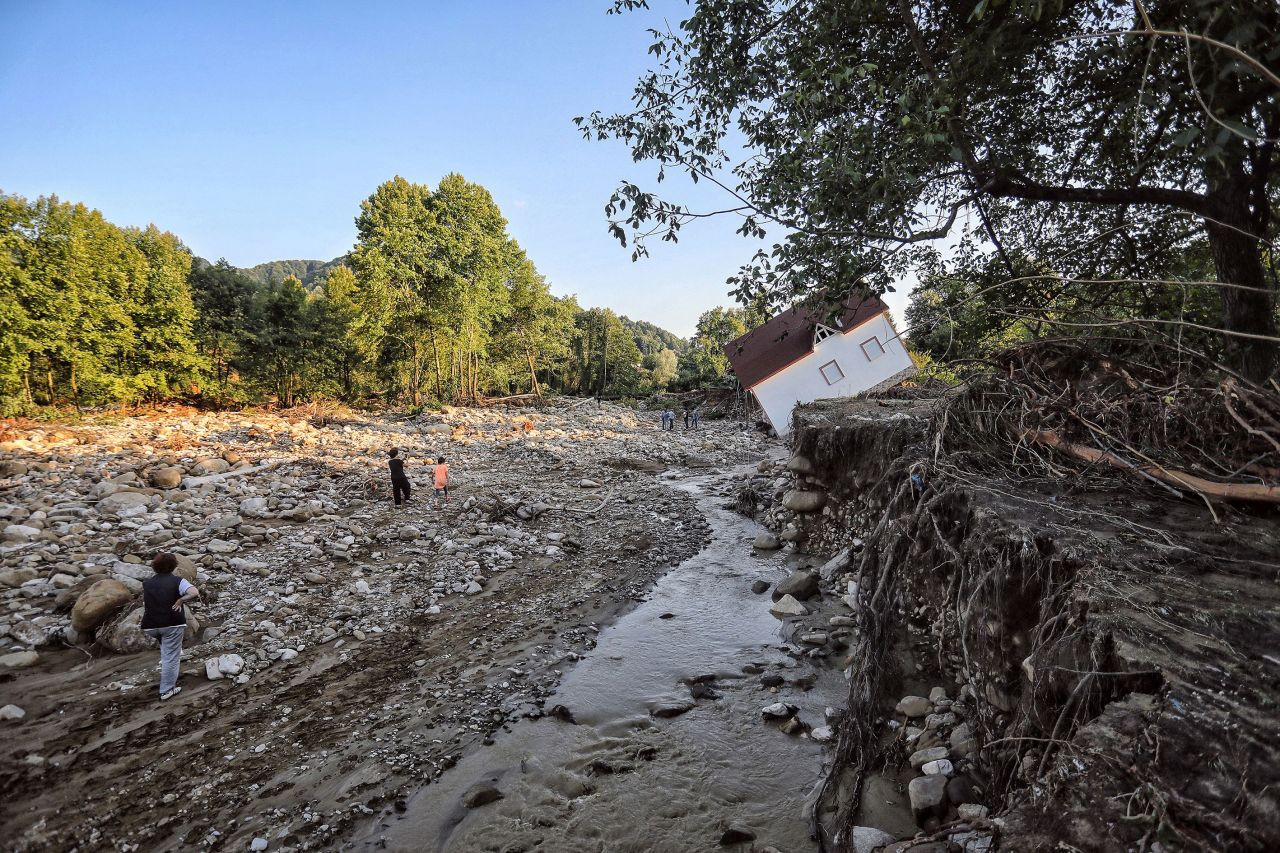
310	273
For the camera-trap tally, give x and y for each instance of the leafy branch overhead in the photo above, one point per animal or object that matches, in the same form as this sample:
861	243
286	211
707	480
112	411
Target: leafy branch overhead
857	132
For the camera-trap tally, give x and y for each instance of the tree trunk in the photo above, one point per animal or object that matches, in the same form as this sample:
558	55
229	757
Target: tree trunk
75	388
415	377
533	374
1237	256
435	349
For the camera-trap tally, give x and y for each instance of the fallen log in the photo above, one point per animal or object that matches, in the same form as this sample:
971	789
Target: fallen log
1168	476
197	482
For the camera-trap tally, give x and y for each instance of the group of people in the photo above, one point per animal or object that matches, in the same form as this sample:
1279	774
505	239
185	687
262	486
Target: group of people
166	594
692	418
401	488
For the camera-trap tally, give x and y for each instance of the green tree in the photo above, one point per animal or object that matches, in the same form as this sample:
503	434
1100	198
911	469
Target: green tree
870	128
705	360
223	296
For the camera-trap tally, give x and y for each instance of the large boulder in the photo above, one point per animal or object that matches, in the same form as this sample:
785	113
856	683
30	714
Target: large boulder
17	577
801	586
118	501
766	541
99	603
19	660
928	795
21	533
867	839
804	500
788	606
166	478
125	635
800	464
209	465
186	568
223	666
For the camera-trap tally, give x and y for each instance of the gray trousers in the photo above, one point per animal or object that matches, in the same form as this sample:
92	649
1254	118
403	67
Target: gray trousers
170	653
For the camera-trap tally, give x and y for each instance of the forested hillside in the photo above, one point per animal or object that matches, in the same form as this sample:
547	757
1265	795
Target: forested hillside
435	302
310	273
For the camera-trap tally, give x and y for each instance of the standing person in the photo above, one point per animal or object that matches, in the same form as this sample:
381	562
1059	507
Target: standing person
695	418
163	619
400	487
686	415
441	479
671	420
663	417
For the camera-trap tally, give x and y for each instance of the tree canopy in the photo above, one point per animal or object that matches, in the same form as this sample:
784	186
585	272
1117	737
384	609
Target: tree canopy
861	131
435	301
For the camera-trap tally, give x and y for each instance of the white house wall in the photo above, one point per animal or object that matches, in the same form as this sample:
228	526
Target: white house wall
803	382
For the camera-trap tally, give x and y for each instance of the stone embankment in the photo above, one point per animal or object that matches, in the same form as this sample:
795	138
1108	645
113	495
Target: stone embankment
1032	663
344	649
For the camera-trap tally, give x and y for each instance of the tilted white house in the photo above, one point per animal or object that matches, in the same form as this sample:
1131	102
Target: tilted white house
801	355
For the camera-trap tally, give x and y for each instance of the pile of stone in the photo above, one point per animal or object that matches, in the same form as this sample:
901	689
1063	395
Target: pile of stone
940	743
284	524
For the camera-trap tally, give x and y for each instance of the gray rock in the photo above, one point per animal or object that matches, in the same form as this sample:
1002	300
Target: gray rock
734	835
867	839
125	637
928	795
19	660
766	541
963	742
253	507
11	713
675	708
28	633
913	706
937	767
804	500
800	586
833	566
166	478
121	501
480	794
760	586
21	533
778	710
923	756
788	606
799	464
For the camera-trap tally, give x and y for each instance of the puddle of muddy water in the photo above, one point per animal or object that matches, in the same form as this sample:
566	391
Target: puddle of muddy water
623	780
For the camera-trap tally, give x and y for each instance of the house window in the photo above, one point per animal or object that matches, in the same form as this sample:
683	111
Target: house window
872	348
821	333
831	372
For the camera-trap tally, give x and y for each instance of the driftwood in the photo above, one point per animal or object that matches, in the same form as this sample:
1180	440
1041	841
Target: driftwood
1168	476
197	482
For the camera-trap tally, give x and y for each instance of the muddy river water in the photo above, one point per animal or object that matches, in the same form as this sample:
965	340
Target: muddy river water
620	778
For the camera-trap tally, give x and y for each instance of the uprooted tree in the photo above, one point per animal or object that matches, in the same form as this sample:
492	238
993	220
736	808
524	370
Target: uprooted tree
869	129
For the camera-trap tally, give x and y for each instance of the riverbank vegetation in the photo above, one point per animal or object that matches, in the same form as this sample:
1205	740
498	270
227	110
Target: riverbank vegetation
436	302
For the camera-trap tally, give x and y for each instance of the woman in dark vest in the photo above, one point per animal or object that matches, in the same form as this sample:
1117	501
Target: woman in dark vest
163	619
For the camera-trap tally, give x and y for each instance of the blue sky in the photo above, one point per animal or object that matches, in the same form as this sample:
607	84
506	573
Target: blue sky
253	130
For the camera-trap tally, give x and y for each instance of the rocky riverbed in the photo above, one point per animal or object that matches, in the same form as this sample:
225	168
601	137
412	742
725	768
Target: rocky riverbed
345	651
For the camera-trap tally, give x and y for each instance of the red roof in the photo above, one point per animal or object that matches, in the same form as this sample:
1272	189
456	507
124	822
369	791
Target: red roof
788	337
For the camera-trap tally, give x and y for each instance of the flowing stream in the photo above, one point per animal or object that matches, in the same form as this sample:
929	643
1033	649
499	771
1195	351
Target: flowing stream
623	779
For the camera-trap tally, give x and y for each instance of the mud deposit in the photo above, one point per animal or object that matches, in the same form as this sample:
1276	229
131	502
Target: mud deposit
380	648
622	775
